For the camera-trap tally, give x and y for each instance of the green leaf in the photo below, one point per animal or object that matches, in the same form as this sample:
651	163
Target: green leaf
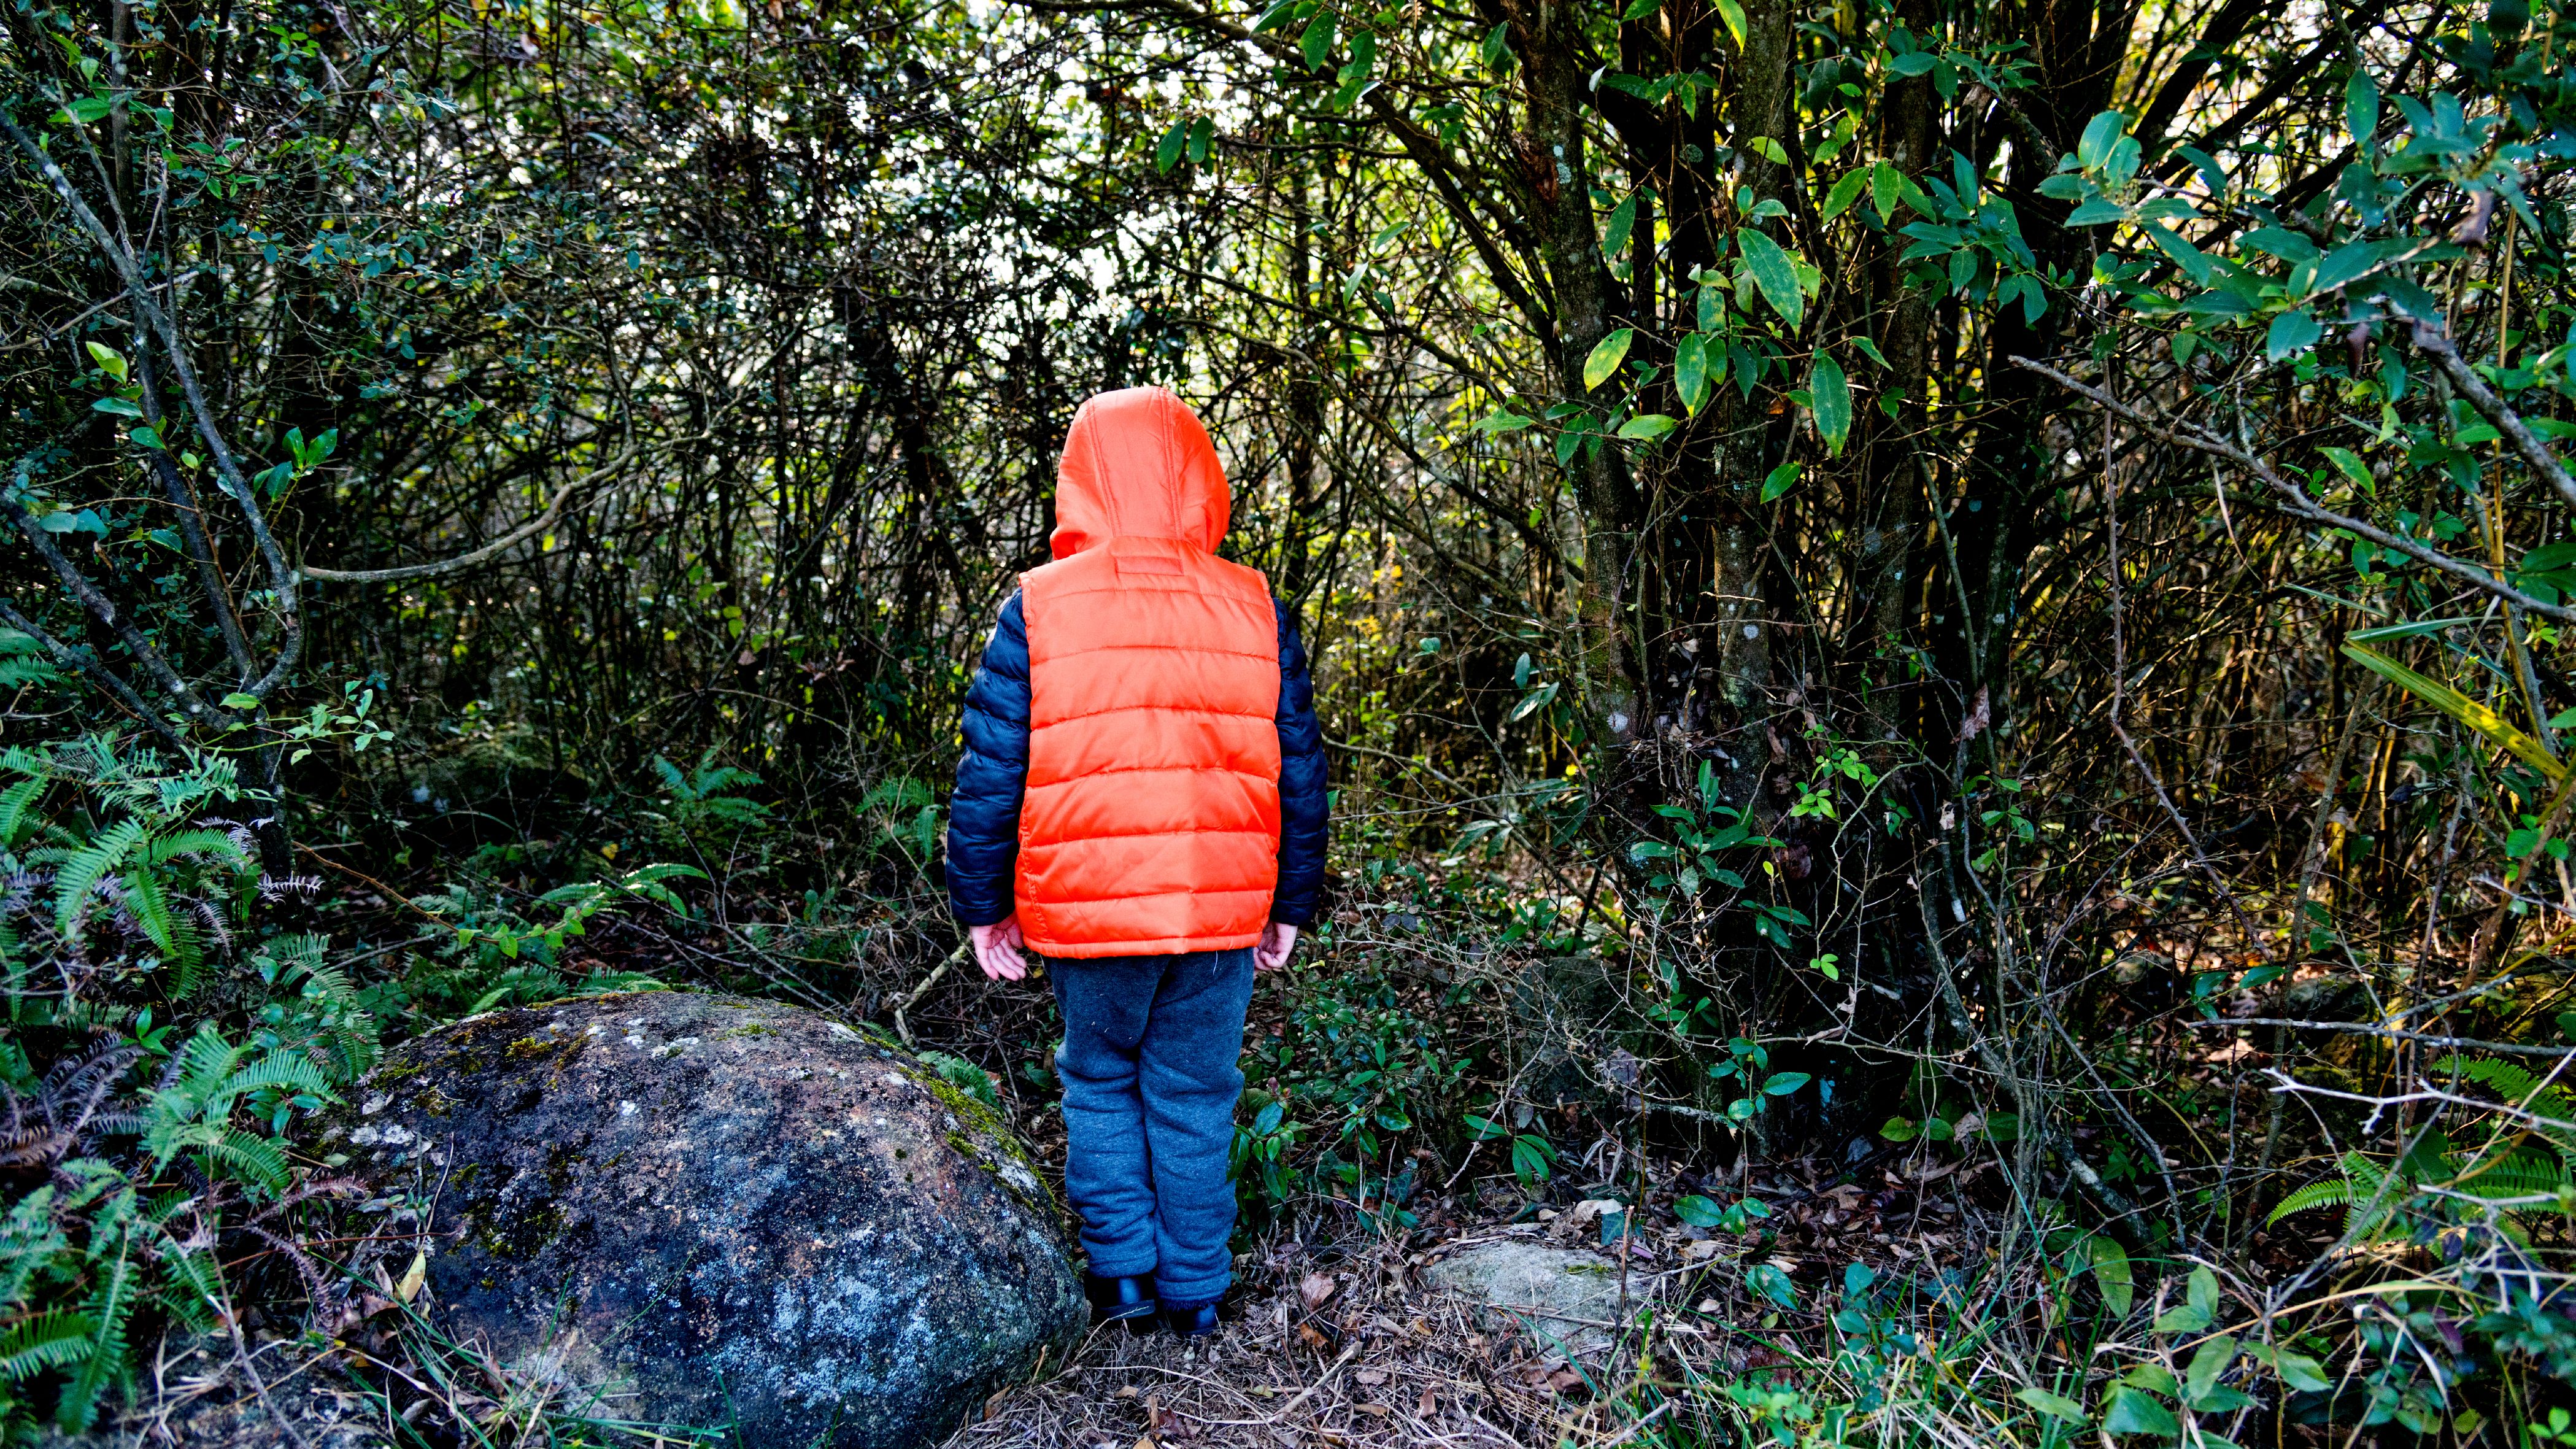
2056	1406
2201	1292
2111	1273
1732	13
2198	1309
146	436
116	405
1845	192
1623	220
1646	426
1833	405
2297	1370
1276	16
2096	212
1773	274
1883	189
239	700
1606	356
2132	1412
1497	45
2292	331
1690	372
1698	1211
1168	153
1771	1283
85	110
2100	135
1782	1084
2349	464
2361	107
1782	479
1317	43
2207	1365
1898	1129
108	359
1501	420
2155	1378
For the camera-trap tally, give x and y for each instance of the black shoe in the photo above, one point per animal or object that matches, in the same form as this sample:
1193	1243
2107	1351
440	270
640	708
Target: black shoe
1121	1300
1190	1321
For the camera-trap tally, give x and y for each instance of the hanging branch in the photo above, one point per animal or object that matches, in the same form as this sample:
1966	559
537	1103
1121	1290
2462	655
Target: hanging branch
2295	500
282	577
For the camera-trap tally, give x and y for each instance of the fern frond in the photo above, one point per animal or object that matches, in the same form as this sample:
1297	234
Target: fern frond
54	1339
2333	1192
215	844
15	802
249	1160
280	1069
85	867
106	1361
2514	1174
207	1061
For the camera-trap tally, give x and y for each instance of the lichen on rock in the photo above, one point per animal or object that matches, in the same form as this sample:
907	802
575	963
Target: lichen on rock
710	1212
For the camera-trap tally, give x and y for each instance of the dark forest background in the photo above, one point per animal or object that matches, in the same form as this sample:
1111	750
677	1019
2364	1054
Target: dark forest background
1896	587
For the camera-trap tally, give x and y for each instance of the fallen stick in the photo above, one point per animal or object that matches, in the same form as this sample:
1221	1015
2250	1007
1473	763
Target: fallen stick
913	997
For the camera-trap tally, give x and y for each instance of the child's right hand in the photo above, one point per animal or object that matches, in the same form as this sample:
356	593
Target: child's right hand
997	949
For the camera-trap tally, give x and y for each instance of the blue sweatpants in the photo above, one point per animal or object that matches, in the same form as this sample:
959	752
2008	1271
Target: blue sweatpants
1150	1082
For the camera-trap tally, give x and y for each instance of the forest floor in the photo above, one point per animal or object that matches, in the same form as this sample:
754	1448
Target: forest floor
1341	1340
1334	1337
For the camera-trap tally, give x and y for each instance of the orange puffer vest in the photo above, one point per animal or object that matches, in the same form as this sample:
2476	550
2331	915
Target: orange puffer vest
1151	820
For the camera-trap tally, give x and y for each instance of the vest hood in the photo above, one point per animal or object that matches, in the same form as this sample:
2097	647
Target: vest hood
1138	464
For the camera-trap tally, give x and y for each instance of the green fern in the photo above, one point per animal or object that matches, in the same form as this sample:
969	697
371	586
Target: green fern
106	1359
194	1113
15	803
2332	1192
2522	1174
2357	1187
336	1032
2517	1086
82	869
54	1339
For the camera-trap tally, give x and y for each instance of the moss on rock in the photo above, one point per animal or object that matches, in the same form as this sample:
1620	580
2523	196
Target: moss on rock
725	1211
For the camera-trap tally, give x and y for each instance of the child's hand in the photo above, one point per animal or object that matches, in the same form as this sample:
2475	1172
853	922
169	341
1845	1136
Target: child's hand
1278	939
997	949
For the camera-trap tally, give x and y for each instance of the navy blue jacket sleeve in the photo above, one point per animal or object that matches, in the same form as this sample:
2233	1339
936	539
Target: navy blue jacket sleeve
984	810
1303	802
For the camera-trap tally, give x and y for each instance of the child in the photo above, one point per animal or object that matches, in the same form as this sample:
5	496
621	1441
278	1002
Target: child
1141	802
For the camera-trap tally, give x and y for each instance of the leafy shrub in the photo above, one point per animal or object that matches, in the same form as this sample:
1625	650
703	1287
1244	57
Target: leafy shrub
127	894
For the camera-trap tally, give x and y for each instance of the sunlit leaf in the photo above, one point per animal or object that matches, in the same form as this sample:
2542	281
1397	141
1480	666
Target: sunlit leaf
1772	274
1606	356
2462	708
1690	372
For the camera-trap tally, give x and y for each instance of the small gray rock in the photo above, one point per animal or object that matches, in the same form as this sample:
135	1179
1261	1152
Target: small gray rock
1564	1295
711	1211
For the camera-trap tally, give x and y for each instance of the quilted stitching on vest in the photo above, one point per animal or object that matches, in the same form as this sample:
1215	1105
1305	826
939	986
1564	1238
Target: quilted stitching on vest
1151	819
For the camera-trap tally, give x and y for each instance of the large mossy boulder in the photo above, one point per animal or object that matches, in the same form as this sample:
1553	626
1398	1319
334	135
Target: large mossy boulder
713	1212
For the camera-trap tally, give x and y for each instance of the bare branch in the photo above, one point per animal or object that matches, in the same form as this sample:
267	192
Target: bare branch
2295	499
